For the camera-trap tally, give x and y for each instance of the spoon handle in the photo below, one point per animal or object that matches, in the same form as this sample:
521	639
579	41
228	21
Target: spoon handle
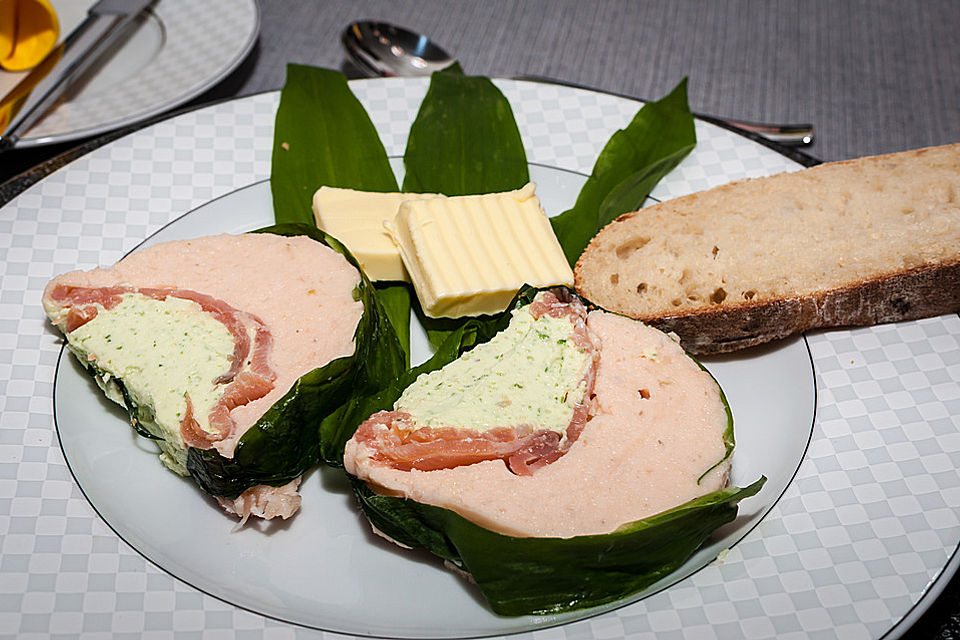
789	135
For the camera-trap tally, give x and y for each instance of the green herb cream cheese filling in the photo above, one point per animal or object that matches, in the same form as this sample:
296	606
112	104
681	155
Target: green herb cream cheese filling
529	374
159	350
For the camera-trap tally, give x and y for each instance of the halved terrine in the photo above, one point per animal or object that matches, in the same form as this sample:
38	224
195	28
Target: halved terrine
571	460
198	339
566	423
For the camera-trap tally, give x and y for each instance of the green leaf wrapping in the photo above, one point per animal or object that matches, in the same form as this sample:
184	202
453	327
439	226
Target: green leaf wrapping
286	440
632	162
464	140
520	576
396	300
322	137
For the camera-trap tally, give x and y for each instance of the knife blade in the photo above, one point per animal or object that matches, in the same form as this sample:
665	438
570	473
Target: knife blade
106	22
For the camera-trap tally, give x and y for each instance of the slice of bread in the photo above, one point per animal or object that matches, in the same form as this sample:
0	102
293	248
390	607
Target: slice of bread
857	242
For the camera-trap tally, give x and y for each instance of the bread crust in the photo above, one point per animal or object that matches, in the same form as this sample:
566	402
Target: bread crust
922	292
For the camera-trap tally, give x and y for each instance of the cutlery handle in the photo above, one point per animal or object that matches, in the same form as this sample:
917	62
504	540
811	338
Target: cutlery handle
791	135
53	75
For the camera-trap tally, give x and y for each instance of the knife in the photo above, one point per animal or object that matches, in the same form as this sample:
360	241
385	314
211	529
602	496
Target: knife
104	25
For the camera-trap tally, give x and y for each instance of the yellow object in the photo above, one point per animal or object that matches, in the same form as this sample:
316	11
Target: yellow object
29	30
468	255
356	218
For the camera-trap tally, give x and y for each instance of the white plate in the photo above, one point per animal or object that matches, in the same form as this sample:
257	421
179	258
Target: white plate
178	50
858	544
159	514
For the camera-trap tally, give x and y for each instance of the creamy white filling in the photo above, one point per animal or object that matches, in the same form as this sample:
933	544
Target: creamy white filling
529	374
161	350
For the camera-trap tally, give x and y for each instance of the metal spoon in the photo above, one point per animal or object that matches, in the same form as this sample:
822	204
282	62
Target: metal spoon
383	49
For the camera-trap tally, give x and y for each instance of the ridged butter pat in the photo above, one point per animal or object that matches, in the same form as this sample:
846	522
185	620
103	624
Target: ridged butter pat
356	218
468	255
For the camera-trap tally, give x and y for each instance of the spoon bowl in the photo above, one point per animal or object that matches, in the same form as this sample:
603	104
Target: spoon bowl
382	49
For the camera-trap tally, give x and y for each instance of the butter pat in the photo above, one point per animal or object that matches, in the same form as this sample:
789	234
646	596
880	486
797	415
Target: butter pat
468	255
356	218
